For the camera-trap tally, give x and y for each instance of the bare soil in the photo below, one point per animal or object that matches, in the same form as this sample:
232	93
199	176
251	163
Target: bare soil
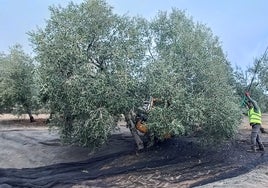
31	155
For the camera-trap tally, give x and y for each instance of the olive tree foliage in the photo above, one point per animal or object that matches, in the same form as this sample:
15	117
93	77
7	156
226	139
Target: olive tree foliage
5	99
251	80
241	81
17	87
258	76
263	71
95	65
263	83
90	63
191	74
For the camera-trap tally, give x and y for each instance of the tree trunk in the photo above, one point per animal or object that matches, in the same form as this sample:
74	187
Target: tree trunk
50	117
30	116
133	131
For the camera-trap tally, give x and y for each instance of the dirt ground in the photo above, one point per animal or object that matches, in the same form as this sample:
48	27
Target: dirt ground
31	155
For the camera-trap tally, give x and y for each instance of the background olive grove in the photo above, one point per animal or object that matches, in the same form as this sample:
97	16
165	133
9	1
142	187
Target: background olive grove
93	65
18	92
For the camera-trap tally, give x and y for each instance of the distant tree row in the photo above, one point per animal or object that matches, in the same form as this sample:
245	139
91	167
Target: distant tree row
93	65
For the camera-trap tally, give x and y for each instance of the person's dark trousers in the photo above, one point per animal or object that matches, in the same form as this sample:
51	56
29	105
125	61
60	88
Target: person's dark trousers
255	137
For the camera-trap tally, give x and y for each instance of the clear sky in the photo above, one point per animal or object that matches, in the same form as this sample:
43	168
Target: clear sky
241	25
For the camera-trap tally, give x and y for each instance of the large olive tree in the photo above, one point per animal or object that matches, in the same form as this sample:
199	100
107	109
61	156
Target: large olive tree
95	65
192	75
90	61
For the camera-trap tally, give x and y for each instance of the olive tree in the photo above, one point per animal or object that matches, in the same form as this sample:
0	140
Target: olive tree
17	91
259	77
262	71
90	61
191	73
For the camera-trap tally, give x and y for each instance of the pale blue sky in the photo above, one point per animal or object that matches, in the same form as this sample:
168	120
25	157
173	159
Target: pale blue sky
241	25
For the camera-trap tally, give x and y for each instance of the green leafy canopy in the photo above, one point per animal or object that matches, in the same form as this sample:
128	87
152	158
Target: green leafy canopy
95	65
